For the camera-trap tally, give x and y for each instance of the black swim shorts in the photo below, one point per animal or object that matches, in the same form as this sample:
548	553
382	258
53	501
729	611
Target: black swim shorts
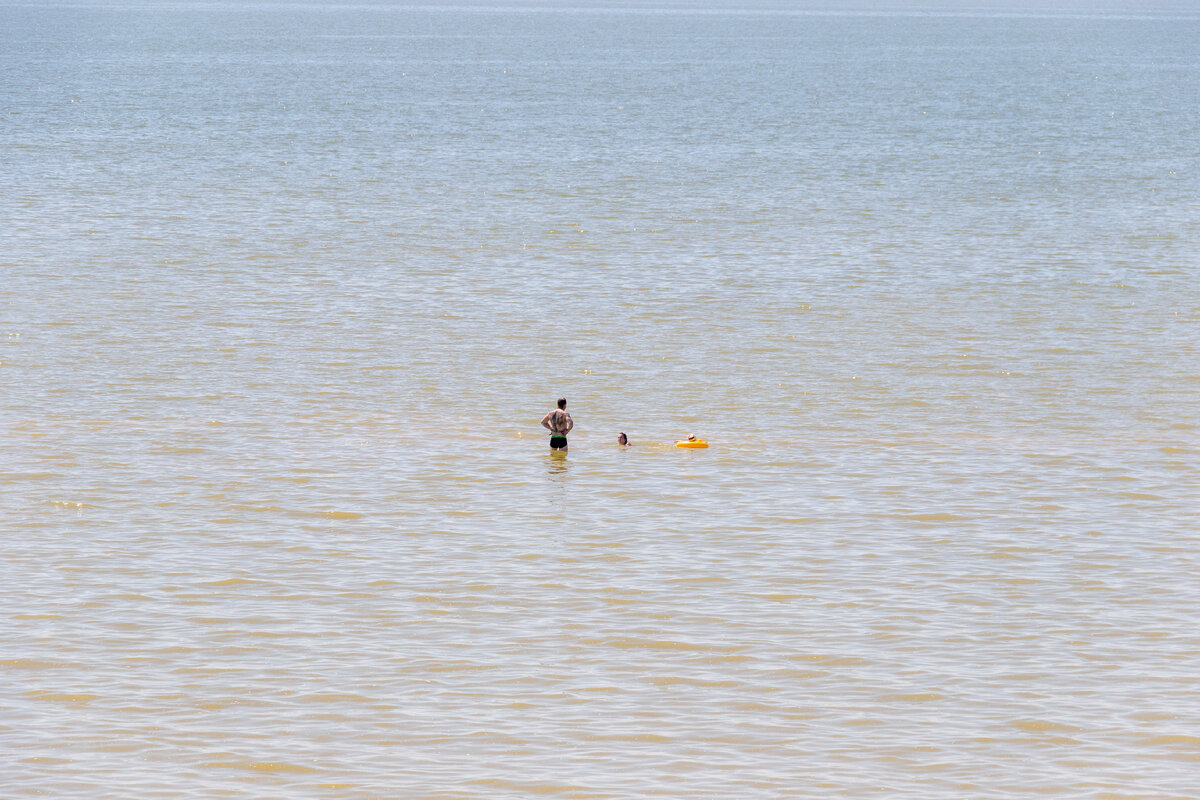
558	441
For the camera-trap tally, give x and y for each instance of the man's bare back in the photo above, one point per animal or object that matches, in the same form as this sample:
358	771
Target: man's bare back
559	423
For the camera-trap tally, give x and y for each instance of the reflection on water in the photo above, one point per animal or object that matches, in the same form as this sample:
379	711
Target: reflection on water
557	462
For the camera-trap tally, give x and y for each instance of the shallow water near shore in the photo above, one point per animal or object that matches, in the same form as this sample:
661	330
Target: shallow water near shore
287	287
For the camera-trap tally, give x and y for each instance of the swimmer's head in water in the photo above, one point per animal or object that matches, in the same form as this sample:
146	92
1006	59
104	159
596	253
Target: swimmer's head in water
622	439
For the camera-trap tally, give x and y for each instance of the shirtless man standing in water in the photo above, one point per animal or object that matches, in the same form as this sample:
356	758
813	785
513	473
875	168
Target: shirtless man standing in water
559	423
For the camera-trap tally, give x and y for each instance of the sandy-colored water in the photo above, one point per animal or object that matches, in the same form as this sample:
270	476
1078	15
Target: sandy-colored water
287	288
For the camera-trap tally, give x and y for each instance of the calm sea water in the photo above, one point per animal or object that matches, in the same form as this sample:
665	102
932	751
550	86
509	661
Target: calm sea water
286	287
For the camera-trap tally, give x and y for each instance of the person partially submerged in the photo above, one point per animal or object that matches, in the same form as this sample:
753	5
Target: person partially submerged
622	440
559	423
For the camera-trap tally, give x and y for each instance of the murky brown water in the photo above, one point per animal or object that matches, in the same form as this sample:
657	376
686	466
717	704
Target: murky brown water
279	316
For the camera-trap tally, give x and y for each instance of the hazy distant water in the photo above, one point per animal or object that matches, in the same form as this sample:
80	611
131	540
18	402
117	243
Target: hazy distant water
285	288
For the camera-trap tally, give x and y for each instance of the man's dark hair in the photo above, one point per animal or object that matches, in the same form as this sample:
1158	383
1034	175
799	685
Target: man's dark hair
562	402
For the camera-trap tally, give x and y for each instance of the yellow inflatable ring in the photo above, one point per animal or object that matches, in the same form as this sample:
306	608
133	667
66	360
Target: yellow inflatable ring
691	443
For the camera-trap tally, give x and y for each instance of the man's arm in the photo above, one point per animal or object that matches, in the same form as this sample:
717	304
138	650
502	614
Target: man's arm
546	421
